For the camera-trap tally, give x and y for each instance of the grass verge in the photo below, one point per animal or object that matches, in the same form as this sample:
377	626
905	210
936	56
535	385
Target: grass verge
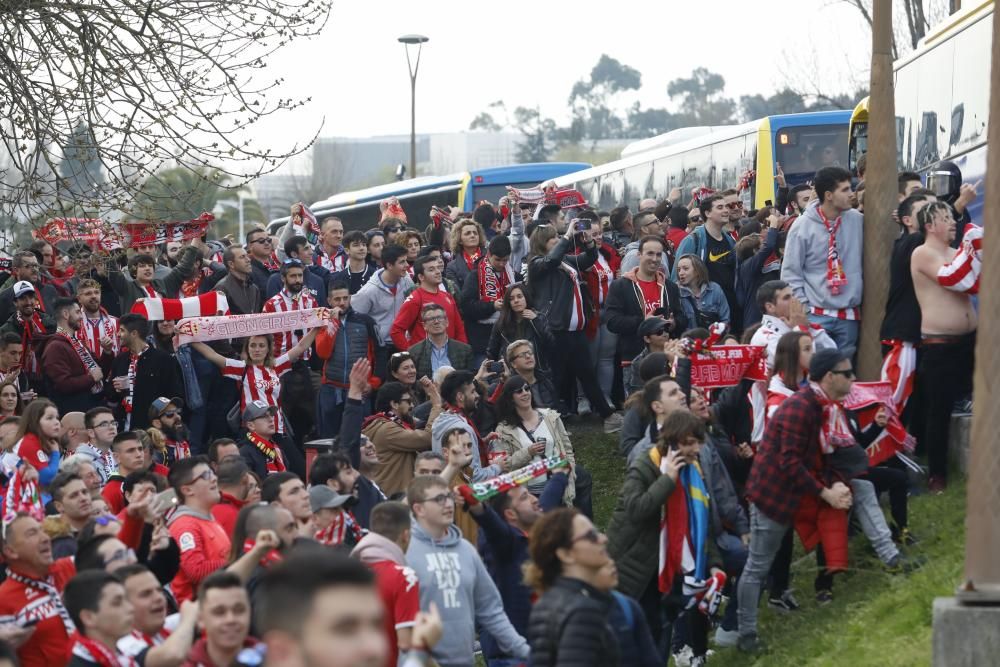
875	618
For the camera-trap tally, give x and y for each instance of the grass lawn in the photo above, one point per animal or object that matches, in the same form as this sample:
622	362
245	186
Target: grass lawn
874	619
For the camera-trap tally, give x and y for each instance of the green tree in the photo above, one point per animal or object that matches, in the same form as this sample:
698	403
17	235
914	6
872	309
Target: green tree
701	99
592	99
643	123
783	101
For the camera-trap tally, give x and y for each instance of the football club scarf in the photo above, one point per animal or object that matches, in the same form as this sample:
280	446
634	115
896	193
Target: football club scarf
492	283
683	529
22	496
962	273
304	219
94	651
835	276
46	586
203	305
388	415
270	558
391	208
30	330
275	462
835	431
480	491
334	534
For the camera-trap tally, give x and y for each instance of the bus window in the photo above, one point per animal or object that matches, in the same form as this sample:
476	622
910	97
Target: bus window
802	151
493	193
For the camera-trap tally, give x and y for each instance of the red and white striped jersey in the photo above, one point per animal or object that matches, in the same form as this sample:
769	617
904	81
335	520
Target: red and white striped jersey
92	331
332	264
261	383
282	302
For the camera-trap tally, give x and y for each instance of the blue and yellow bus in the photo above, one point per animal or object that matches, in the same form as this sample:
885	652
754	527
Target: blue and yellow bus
942	100
718	158
359	209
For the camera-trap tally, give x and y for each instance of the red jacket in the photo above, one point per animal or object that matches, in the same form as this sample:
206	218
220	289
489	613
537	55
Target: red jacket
198	656
226	510
204	549
407	329
591	277
49	643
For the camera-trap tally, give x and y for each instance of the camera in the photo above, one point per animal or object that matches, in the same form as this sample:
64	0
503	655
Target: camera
495	367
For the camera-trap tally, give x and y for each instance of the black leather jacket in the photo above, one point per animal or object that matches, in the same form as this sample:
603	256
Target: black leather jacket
552	286
569	627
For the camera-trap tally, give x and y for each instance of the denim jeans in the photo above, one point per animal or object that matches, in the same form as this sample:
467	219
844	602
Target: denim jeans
766	536
734	557
843	332
330	403
602	356
873	523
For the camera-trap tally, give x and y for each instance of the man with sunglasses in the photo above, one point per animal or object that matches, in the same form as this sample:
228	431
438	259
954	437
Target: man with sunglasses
452	576
646	224
789	470
166	415
263	262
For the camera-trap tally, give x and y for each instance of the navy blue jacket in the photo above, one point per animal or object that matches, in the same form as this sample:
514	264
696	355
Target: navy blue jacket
504	549
368	493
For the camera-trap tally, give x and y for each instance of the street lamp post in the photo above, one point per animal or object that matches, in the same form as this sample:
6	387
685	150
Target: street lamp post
407	40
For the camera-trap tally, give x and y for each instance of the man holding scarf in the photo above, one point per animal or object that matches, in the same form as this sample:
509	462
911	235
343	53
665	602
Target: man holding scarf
73	376
822	260
482	296
788	470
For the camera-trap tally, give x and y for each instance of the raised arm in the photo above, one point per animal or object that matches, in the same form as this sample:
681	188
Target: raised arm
303	345
210	354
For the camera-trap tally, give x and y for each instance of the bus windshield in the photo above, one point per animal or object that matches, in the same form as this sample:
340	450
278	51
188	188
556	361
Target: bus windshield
804	150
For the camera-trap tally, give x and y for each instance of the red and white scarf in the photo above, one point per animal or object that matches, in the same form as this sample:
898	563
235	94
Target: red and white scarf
30	330
152	640
962	273
203	305
83	353
304	220
492	283
270	558
835	276
22	496
133	363
93	330
334	534
391	208
834	431
577	317
275	462
470	260
181	449
48	587
387	415
94	651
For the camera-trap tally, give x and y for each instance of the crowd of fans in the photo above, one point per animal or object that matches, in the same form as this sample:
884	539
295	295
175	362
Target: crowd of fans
165	504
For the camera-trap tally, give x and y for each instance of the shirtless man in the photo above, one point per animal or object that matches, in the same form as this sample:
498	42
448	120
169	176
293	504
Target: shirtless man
947	332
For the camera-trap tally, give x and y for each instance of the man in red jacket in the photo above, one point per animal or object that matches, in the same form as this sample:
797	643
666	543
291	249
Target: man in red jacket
31	598
204	544
407	328
73	376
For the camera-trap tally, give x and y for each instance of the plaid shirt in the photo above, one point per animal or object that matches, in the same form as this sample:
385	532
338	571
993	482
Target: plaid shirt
788	464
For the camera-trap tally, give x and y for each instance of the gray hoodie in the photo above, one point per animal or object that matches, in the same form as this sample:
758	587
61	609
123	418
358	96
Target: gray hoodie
453	576
804	264
449	420
376	301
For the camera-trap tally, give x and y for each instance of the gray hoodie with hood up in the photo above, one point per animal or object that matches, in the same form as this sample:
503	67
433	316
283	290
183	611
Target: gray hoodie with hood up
453	577
448	420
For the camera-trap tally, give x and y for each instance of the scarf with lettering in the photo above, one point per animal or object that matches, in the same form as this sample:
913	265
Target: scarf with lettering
180	449
21	496
388	415
133	362
470	260
83	353
94	651
344	524
835	276
835	431
275	462
48	587
492	283
267	560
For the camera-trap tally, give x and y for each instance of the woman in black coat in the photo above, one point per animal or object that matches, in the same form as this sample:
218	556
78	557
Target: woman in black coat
518	321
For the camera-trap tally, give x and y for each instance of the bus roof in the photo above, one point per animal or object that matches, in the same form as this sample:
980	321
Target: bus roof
521	173
396	188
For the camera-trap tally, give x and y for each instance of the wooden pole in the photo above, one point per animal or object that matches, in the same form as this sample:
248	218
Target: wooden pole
982	521
880	193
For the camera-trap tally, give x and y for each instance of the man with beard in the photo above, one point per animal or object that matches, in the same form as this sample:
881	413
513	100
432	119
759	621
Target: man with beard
505	522
461	398
264	449
396	441
73	376
98	330
156	639
291	297
165	415
30	323
314	276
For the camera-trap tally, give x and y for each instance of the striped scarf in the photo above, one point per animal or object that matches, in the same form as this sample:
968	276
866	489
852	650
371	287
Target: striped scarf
684	529
962	273
835	431
203	305
275	462
94	651
22	496
48	587
344	524
835	276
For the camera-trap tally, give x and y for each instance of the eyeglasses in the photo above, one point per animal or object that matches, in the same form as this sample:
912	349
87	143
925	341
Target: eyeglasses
848	373
526	353
265	239
435	320
105	424
208	474
121	554
440	499
591	536
732	206
171	413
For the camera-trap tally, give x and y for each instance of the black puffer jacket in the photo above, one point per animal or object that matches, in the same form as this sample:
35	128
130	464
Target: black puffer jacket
569	627
551	284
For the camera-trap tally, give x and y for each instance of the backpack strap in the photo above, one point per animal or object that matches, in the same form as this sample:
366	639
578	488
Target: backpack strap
625	607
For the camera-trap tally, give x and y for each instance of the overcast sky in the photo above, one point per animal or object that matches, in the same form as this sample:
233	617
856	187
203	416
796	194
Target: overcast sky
531	52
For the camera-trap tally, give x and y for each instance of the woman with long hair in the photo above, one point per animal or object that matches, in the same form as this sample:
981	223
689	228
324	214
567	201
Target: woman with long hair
704	302
258	371
468	244
555	278
791	365
37	438
10	400
518	321
411	240
568	624
527	432
162	336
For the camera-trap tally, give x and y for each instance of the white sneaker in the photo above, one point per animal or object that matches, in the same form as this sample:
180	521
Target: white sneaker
684	657
726	638
614	422
583	406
